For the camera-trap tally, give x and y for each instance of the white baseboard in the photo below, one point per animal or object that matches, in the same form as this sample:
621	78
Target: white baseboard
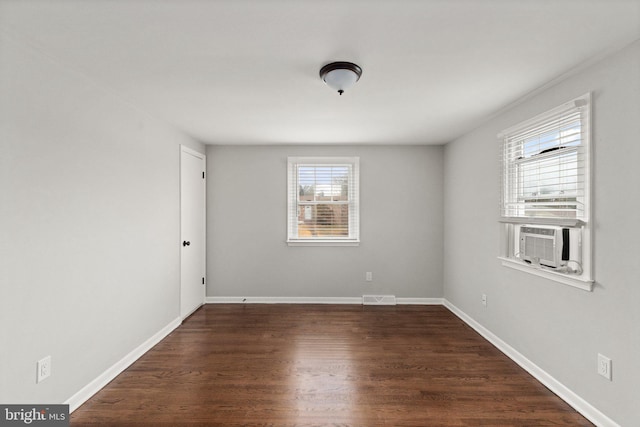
315	300
94	386
420	301
283	300
575	401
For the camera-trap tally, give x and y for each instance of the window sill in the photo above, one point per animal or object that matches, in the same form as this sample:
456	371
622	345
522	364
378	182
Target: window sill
323	243
561	222
575	281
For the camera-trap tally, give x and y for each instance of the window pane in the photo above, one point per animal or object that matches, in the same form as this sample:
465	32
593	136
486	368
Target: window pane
323	183
552	176
340	184
305	192
323	220
306	183
567	135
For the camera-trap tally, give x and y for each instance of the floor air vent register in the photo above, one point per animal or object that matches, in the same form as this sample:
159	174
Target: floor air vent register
378	300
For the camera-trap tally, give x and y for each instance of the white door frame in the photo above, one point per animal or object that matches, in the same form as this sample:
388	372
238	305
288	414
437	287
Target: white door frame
185	312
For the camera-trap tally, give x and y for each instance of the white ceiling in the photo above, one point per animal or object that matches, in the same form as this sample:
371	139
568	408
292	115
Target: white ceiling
246	71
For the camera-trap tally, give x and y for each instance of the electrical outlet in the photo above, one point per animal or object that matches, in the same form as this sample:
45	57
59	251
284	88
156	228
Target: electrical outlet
368	276
604	366
43	369
484	299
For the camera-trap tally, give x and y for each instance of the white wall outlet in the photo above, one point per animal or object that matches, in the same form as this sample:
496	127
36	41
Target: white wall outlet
368	276
44	369
484	299
604	366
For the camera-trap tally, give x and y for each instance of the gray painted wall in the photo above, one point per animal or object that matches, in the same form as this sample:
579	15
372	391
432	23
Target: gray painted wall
401	225
560	328
89	230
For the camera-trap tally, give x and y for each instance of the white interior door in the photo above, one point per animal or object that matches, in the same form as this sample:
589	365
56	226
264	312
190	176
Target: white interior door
192	230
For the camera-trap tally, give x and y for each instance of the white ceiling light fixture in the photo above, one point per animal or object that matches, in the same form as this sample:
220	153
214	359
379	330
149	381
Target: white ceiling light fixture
340	75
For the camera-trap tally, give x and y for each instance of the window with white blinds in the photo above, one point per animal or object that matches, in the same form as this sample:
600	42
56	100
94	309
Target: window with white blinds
545	195
323	200
545	166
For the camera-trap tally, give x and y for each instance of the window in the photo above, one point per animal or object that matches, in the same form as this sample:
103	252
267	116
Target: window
323	201
545	203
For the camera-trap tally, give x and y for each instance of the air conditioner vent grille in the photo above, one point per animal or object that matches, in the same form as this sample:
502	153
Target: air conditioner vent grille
542	245
541	248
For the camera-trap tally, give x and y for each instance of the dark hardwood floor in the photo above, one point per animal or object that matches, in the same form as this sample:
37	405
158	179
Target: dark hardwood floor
331	365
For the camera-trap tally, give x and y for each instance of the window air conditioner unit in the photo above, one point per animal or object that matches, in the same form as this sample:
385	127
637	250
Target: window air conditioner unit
548	246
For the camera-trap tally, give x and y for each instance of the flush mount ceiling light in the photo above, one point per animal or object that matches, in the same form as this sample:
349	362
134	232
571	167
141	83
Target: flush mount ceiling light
340	75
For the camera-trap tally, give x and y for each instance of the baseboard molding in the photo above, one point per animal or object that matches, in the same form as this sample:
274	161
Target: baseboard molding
420	301
283	300
94	386
315	300
575	401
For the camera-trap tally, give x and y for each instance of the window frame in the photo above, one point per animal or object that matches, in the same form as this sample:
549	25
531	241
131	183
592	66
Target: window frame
577	274
353	202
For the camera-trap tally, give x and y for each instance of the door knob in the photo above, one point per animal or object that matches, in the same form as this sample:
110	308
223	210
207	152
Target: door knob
186	243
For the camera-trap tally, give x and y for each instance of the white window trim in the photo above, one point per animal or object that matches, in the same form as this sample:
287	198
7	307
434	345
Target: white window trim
584	280
354	201
575	281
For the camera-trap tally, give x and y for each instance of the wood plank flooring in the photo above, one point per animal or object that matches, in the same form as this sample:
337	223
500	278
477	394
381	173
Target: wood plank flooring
325	365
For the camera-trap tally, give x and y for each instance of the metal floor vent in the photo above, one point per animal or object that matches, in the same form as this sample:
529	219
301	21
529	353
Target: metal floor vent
378	300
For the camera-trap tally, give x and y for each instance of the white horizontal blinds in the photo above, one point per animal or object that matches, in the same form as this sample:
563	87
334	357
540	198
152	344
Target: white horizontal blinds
323	196
544	164
323	201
